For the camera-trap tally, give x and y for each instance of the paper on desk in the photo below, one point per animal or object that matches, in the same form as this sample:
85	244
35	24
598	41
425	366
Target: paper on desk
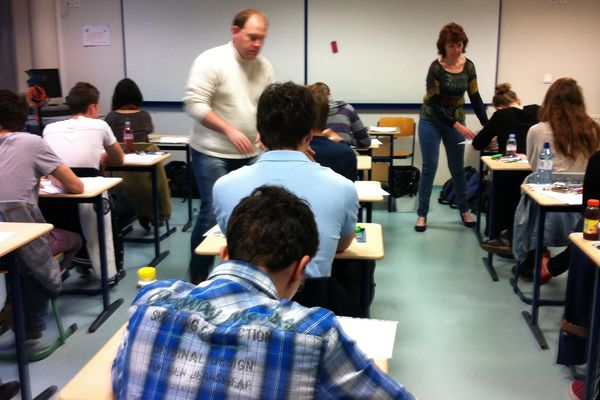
374	337
366	189
139	158
174	139
383	129
573	199
5	235
48	187
376	142
214	231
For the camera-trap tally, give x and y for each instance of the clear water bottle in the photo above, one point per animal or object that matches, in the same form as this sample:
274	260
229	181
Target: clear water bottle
511	146
544	166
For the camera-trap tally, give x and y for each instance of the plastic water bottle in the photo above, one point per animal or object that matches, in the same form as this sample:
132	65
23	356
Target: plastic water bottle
544	166
128	137
511	146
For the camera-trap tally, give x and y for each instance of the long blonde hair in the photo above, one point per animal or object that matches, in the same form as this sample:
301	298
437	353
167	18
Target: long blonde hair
575	132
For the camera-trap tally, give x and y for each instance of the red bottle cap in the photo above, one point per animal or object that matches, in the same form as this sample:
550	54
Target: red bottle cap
593	202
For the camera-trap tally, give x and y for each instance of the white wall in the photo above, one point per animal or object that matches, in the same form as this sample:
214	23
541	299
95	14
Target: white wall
536	38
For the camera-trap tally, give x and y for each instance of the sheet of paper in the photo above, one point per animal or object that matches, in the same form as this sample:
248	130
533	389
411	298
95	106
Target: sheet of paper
366	189
376	142
466	141
569	198
174	139
5	235
214	231
374	337
139	158
383	129
48	187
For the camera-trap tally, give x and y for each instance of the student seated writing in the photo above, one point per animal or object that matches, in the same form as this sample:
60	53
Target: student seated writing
237	335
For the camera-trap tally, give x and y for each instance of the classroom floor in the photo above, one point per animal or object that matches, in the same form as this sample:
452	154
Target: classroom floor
460	335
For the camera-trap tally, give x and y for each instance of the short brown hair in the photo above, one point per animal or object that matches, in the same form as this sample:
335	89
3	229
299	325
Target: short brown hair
242	17
451	33
81	96
504	96
13	111
320	96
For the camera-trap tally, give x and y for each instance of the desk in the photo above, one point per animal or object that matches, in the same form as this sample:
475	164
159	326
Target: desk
22	233
593	253
364	163
371	250
147	163
496	167
92	193
369	192
178	143
545	204
94	380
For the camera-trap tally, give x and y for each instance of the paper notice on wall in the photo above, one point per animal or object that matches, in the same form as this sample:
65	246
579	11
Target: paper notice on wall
95	35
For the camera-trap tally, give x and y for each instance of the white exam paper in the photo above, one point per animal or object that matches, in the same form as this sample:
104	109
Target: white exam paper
375	337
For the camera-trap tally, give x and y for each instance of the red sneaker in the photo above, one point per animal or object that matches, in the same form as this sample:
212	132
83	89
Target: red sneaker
576	390
545	275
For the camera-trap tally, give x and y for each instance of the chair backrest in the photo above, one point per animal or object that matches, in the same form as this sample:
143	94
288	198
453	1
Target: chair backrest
405	124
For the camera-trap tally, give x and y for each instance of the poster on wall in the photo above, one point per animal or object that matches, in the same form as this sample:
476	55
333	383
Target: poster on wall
95	35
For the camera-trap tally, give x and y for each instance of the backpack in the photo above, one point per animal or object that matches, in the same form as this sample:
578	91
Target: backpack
403	180
447	195
178	181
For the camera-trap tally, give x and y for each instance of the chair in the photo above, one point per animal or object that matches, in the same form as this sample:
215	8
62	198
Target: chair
406	127
7	214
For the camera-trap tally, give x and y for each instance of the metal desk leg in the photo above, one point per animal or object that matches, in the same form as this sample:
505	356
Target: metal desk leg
158	256
489	260
108	308
591	378
532	319
479	201
188	162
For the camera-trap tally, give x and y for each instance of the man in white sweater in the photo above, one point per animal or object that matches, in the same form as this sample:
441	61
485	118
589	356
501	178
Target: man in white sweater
221	96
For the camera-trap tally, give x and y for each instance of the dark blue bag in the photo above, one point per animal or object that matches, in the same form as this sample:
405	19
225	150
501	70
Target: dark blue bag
447	195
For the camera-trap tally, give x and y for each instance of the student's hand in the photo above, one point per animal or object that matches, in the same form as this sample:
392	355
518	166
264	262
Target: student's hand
463	130
260	144
332	135
310	153
55	182
240	141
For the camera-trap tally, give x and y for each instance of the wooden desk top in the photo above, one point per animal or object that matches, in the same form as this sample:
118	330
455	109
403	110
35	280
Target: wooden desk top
543	200
587	246
363	163
497	165
22	233
369	191
92	187
177	138
372	249
141	160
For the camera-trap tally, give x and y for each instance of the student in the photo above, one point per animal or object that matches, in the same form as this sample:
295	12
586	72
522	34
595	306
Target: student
221	95
126	102
337	156
285	118
345	122
24	159
510	117
237	335
574	137
79	142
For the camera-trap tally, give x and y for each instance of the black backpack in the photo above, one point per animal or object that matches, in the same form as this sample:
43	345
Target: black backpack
403	180
447	195
178	181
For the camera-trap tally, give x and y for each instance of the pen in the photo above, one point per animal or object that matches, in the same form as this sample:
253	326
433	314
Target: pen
495	156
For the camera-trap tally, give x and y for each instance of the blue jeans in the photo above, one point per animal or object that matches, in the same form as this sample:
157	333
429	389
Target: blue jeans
430	135
207	170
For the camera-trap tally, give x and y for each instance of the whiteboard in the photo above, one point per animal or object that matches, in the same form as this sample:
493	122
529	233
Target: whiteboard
163	37
384	46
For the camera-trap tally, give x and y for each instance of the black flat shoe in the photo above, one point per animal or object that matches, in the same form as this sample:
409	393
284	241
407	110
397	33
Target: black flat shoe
469	224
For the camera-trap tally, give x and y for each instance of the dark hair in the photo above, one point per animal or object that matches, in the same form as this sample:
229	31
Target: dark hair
127	93
273	228
285	115
81	96
13	110
242	16
319	93
451	33
574	132
504	96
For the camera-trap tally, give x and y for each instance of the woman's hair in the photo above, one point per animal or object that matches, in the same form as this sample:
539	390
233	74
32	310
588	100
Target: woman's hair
127	93
575	132
504	96
319	93
451	33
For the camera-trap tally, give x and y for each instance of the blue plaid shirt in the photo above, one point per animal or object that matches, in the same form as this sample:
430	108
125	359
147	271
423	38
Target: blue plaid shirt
232	337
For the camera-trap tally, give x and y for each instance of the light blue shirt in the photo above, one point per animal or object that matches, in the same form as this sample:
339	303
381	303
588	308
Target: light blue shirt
332	198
